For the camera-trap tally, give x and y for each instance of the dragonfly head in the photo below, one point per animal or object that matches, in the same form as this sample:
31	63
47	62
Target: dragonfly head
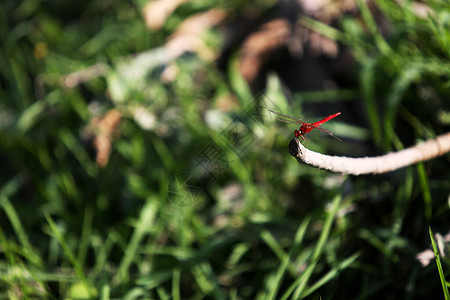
298	133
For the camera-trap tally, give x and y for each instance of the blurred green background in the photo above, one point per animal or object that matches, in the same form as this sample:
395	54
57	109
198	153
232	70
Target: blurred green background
139	161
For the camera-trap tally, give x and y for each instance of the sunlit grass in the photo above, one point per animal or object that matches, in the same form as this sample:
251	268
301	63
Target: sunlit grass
161	220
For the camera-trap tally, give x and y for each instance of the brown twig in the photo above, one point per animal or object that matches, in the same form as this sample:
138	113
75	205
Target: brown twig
372	165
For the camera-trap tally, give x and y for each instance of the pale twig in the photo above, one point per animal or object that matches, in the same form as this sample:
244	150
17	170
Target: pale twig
372	165
73	79
187	38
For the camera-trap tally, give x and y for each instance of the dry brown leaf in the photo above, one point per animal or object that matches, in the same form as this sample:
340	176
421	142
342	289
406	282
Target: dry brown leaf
327	10
227	102
259	45
188	35
104	128
421	10
169	73
199	22
156	12
319	44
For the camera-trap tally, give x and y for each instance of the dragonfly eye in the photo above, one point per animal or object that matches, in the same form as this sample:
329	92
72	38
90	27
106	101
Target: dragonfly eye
297	133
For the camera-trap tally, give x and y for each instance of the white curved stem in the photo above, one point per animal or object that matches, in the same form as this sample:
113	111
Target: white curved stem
372	165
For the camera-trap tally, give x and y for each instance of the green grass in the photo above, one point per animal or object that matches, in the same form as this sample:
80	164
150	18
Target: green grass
255	224
445	284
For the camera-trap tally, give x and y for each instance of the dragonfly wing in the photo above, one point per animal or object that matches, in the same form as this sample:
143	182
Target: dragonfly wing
328	132
296	121
290	121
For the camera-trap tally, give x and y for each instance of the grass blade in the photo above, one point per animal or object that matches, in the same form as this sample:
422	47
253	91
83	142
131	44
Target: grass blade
331	274
76	265
439	265
145	221
300	283
278	278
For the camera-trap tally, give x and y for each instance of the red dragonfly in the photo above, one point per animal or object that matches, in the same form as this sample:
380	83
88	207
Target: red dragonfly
307	127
